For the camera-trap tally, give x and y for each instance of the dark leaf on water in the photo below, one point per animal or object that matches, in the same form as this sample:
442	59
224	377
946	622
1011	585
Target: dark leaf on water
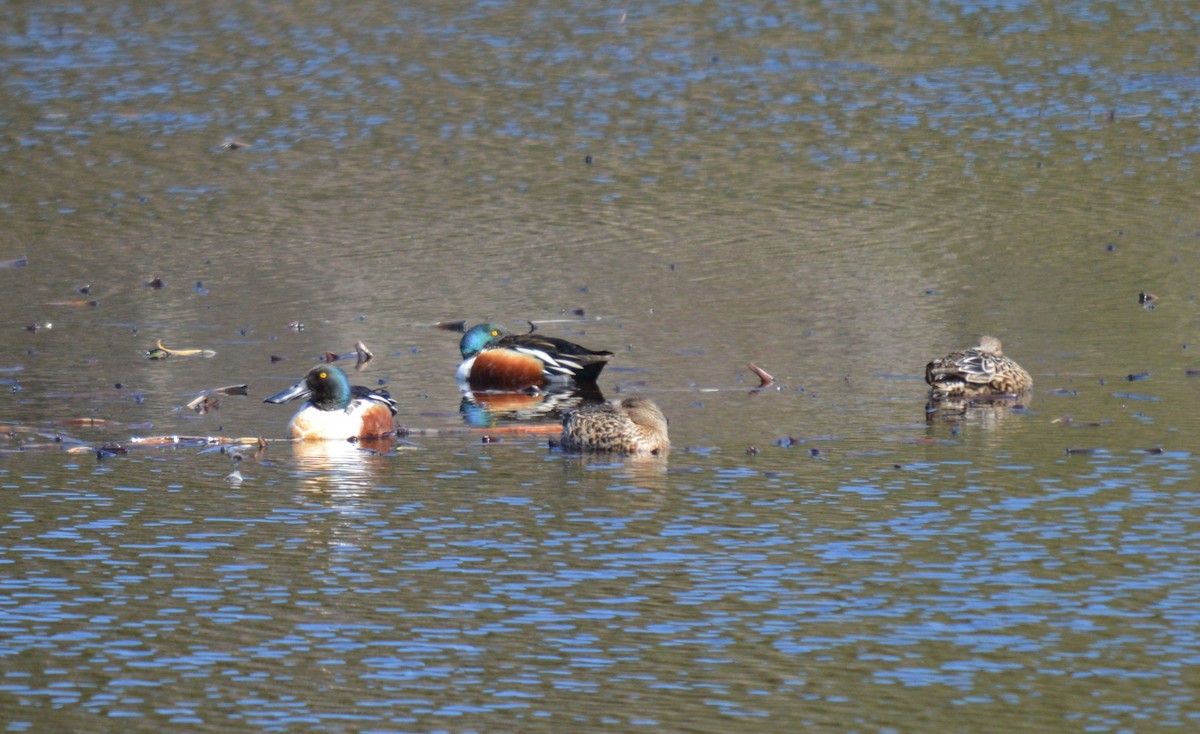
459	326
111	449
232	390
1137	376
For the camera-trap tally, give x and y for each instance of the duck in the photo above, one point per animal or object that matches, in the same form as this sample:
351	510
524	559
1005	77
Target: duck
494	359
335	410
980	371
633	425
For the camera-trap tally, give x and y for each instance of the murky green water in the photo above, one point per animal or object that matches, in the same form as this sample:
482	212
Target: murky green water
837	193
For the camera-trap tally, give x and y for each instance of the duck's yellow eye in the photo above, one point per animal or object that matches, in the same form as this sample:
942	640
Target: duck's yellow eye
495	332
323	375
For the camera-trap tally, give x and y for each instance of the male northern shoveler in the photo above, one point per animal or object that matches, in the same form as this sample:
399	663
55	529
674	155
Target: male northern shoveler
493	359
335	410
634	425
977	372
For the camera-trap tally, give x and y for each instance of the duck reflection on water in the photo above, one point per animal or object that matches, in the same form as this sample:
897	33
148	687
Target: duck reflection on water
487	408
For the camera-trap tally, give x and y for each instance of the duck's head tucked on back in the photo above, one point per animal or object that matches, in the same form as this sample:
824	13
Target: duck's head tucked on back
477	338
633	425
980	371
494	359
335	409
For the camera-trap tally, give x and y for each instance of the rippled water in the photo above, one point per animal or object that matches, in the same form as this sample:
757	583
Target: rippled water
836	193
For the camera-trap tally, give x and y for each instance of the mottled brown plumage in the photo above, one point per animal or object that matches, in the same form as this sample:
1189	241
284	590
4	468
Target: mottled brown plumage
634	425
977	372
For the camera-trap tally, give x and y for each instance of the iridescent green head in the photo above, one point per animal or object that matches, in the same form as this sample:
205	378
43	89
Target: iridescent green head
478	338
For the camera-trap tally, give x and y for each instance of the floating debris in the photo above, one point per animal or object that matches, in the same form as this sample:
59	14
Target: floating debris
459	326
234	144
74	303
1067	420
1137	376
296	326
86	422
364	355
1081	451
205	404
231	390
765	378
1147	299
209	402
17	262
110	450
162	352
276	358
751	451
235	477
156	283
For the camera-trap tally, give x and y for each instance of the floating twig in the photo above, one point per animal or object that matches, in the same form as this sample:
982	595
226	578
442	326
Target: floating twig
207	402
74	302
162	352
764	377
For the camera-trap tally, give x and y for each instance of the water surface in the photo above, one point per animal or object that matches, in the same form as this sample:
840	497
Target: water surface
837	194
